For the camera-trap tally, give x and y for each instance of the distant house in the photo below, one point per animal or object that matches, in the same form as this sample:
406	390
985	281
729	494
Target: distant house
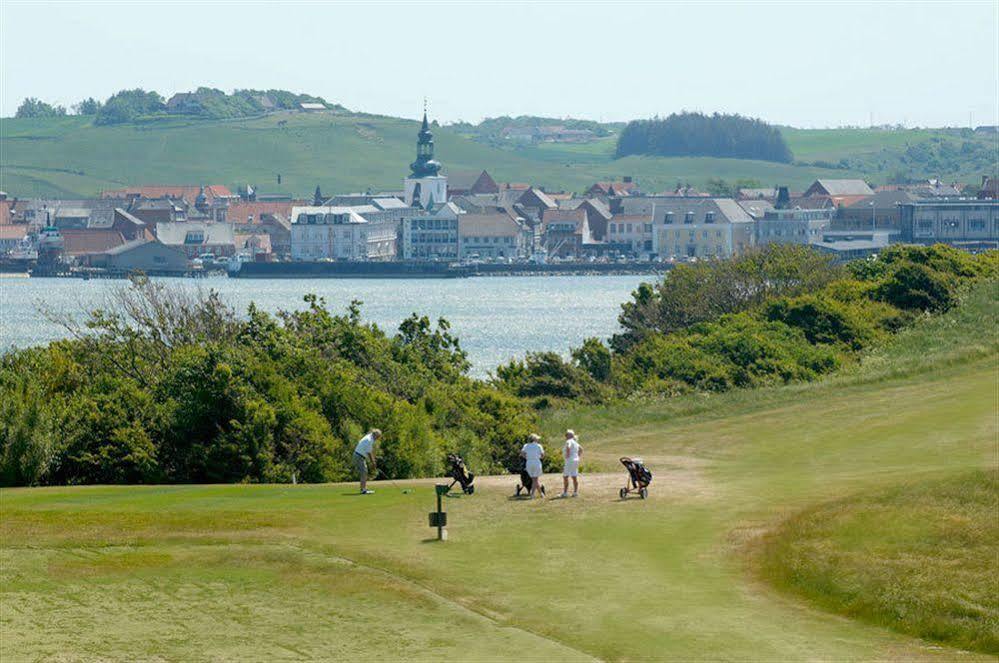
881	211
467	182
311	107
598	214
839	188
564	232
196	237
990	188
758	194
83	241
967	222
186	192
537	199
148	256
693	227
324	232
11	235
492	234
625	187
183	103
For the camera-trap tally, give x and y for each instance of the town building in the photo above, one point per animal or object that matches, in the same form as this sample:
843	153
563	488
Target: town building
793	226
565	232
626	187
631	233
141	255
195	238
838	188
695	227
341	233
425	185
847	245
492	234
432	234
965	222
881	211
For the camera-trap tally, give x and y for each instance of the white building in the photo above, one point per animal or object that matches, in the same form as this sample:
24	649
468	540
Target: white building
341	233
432	235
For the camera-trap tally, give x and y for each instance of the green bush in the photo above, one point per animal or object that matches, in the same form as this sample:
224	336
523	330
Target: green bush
546	374
826	320
915	286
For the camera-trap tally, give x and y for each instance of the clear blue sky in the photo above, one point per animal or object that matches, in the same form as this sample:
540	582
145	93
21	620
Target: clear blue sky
797	63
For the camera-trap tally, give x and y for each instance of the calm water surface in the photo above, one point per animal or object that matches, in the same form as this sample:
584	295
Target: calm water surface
495	318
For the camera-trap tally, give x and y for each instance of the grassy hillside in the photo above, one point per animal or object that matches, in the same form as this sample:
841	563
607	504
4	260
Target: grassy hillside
282	571
69	156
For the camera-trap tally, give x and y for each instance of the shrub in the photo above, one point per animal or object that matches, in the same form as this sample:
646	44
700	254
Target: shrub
547	374
595	358
823	319
915	286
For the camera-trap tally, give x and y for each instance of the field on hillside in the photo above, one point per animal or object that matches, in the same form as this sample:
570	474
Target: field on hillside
70	157
289	572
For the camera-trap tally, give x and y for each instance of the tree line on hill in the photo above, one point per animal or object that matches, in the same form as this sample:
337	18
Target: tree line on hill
696	134
163	386
127	106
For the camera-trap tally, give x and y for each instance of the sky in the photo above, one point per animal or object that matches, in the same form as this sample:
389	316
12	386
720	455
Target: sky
798	63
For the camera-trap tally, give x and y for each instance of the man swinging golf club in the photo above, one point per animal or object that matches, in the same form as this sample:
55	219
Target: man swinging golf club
363	452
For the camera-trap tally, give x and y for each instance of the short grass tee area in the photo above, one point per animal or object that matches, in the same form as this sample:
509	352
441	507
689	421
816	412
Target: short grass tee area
771	515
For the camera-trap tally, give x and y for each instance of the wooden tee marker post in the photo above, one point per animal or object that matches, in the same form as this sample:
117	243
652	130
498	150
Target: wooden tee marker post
438	518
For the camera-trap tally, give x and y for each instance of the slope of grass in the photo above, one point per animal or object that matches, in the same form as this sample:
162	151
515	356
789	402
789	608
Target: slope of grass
920	558
69	156
272	571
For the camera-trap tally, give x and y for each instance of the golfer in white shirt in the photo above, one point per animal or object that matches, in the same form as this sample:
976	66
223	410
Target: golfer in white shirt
363	452
533	452
571	451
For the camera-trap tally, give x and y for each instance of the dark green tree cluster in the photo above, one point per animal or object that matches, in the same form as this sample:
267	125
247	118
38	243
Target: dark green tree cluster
775	315
128	106
32	107
175	388
697	134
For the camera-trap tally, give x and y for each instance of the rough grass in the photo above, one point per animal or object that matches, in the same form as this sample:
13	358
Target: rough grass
69	156
920	558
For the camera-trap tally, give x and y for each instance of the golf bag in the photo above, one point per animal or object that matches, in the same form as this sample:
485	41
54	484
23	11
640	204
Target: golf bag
459	472
639	478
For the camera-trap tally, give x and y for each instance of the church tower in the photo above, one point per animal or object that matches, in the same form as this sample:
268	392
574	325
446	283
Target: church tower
425	185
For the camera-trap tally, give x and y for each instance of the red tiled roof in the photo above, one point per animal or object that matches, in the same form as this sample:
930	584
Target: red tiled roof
240	212
6	209
186	191
80	241
9	231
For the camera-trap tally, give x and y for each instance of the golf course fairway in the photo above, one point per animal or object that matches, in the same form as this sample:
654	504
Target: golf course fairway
280	572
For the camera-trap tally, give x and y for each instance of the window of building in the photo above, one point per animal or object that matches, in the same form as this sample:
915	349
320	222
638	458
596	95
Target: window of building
709	217
648	227
976	225
668	219
688	218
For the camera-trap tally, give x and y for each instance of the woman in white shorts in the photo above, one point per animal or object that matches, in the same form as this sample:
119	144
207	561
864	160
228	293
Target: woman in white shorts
533	452
571	452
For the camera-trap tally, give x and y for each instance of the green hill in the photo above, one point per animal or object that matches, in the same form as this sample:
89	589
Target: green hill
69	156
316	571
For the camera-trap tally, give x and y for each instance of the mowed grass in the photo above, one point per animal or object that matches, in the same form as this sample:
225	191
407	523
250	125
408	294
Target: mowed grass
291	572
920	557
70	156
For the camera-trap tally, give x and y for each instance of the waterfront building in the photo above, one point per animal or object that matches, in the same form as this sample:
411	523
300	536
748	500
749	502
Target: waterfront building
793	226
694	227
432	234
194	238
965	222
342	233
495	233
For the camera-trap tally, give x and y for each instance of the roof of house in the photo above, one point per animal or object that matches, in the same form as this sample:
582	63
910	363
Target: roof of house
186	191
490	223
729	209
617	188
541	196
563	215
9	231
756	207
882	200
244	211
176	232
843	187
463	179
758	193
6	211
80	241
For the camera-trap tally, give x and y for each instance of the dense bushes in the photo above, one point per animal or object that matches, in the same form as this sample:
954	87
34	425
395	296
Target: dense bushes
696	134
775	315
127	106
168	387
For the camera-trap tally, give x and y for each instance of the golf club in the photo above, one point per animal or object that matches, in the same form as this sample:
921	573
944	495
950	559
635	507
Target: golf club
405	491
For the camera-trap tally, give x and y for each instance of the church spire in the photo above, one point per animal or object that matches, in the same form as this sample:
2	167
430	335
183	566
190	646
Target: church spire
425	165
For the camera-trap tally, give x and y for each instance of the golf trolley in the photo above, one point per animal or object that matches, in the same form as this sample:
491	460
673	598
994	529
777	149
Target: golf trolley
639	478
460	474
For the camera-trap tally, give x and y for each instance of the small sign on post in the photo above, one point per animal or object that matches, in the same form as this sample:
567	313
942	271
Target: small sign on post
438	518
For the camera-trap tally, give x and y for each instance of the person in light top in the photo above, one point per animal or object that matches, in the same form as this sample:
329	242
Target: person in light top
363	452
571	452
532	453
